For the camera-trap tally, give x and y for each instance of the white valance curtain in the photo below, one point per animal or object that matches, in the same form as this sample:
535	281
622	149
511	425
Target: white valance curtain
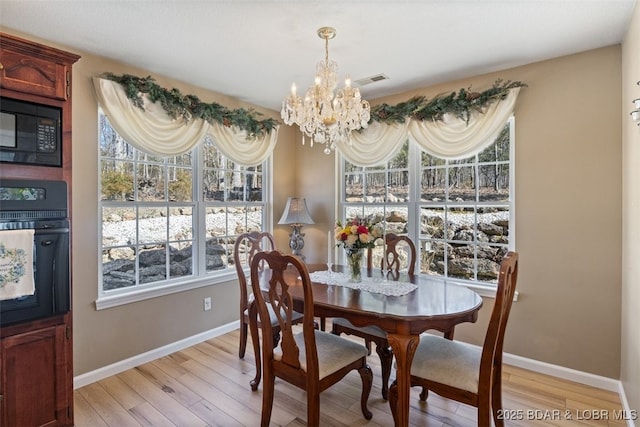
154	131
451	138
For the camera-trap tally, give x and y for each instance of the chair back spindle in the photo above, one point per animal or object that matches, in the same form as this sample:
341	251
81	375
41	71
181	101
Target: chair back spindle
494	338
399	252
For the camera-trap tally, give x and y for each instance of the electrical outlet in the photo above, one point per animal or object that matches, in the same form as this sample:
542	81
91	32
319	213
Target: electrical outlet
207	304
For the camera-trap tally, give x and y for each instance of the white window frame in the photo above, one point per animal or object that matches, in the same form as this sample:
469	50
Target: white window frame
414	204
200	277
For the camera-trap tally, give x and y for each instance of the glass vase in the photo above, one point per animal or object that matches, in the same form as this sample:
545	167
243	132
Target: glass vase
354	262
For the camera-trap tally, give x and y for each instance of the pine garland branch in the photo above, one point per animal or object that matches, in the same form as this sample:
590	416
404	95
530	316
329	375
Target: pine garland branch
461	104
188	107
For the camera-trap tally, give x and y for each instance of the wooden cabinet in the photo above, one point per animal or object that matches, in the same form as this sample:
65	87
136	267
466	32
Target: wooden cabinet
36	382
24	73
36	369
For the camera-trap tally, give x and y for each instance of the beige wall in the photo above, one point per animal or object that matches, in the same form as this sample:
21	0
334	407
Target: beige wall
568	228
630	362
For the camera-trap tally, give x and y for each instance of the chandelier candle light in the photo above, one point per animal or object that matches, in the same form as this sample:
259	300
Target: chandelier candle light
325	117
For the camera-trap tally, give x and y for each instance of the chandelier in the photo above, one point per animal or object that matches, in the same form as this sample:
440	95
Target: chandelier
326	118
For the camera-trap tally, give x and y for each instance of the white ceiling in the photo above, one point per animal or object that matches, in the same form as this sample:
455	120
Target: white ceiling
254	50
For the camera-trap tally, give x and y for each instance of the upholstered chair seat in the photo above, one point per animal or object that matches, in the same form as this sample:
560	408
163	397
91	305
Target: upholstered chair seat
333	352
444	361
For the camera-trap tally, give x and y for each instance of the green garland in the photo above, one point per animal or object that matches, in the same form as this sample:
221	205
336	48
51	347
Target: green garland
189	106
460	104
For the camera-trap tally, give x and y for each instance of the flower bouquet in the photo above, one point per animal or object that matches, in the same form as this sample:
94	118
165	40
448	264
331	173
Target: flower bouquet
356	235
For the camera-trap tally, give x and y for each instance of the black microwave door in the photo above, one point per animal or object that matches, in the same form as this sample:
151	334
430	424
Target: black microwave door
30	133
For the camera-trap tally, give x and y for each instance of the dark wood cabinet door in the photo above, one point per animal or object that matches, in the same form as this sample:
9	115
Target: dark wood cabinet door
35	382
32	75
35	69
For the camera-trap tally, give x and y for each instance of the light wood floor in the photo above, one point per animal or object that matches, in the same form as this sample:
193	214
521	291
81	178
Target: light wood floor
208	385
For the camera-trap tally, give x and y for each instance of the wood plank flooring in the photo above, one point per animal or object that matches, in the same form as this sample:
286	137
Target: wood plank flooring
208	385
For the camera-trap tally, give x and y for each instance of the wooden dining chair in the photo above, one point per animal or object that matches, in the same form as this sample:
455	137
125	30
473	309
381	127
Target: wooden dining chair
463	372
396	248
394	245
247	245
312	360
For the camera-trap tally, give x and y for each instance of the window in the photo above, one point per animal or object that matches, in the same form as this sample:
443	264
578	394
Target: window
169	222
458	212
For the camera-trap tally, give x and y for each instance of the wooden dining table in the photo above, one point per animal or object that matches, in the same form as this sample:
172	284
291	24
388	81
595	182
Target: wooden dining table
433	305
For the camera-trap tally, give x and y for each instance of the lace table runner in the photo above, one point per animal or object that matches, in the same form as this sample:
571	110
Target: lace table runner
370	284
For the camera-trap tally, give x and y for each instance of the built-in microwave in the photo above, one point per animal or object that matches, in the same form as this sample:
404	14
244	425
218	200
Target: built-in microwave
30	133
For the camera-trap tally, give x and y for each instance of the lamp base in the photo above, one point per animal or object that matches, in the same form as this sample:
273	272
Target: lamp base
296	241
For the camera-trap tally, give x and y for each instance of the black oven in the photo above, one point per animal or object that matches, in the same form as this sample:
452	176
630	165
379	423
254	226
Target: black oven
41	207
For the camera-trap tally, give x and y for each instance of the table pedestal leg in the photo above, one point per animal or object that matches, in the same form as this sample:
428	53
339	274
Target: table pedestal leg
404	347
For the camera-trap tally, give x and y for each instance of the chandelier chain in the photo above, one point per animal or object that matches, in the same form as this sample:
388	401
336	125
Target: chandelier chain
326	50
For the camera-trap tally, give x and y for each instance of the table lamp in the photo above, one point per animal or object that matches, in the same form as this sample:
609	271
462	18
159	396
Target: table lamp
296	214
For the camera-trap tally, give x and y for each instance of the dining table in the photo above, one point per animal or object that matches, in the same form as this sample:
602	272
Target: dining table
403	306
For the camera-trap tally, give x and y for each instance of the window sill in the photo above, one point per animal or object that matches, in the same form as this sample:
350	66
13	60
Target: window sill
484	291
108	301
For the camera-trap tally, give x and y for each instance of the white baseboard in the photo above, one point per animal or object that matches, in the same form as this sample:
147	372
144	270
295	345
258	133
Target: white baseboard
581	377
140	359
569	374
625	406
